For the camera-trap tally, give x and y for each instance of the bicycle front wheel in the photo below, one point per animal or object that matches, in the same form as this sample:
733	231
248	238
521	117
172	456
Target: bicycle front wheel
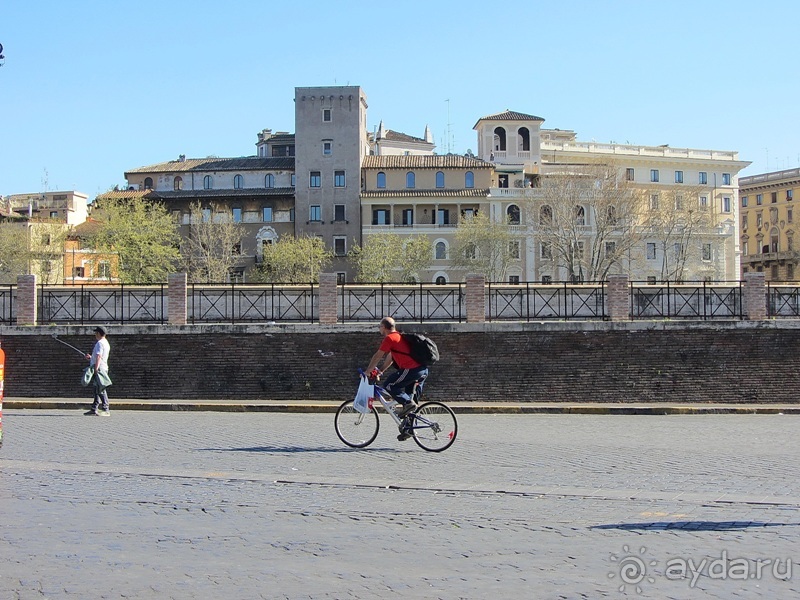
435	427
356	429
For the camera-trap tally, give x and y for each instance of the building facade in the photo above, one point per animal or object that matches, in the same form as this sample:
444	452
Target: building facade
767	224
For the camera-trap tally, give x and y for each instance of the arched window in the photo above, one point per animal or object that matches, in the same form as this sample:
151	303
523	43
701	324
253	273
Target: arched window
411	180
269	181
439	179
499	139
381	183
441	280
441	251
545	215
148	183
512	213
524	139
208	182
238	182
580	215
469	180
177	183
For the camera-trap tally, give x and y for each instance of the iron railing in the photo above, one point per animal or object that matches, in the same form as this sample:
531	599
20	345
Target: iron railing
701	300
546	301
403	301
783	301
103	304
246	302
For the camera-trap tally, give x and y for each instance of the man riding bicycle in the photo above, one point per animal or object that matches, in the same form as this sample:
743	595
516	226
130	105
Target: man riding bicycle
400	383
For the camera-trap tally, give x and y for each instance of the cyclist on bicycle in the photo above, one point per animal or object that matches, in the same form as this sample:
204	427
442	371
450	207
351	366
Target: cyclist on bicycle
400	383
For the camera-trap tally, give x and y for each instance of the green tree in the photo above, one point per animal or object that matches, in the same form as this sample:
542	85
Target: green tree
390	257
213	246
293	260
14	253
484	246
142	234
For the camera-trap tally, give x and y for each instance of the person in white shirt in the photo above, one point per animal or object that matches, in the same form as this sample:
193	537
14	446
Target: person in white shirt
98	360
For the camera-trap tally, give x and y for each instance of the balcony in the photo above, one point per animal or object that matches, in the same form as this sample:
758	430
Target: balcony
515	193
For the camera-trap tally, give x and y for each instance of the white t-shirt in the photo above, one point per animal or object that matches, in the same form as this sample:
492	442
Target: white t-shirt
100	354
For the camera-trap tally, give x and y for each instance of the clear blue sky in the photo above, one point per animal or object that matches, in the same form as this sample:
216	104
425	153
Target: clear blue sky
91	89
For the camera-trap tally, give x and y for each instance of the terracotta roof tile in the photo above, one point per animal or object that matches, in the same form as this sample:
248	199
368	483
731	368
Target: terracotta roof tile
244	163
509	115
424	162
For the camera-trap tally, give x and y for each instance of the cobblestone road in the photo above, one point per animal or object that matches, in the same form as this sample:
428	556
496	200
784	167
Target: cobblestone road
171	505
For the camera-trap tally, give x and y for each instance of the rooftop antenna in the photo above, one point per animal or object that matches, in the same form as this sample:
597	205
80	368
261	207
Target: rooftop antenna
448	134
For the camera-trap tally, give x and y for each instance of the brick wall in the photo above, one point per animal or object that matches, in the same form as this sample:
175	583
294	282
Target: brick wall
530	362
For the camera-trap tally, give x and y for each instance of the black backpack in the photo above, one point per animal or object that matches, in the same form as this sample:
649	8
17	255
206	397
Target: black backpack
422	349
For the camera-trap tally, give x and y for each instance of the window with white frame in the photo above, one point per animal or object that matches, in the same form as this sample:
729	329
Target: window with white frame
654	175
678	201
744	222
653	201
726	179
513	249
327	147
339	212
706	252
629	174
651	250
759	199
441	251
326	115
744	201
315	179
339	179
703	202
789	195
104	269
702	178
678	176
315	213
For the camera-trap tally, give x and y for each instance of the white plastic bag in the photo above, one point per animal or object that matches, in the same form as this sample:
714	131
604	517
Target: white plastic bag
363	396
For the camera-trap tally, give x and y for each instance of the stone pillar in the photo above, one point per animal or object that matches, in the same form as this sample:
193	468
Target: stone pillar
618	298
176	299
328	315
754	297
476	298
27	300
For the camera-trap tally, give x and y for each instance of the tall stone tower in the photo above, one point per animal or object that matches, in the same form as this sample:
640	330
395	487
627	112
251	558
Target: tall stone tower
330	144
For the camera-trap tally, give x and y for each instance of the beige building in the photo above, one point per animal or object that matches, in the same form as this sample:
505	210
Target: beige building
524	154
768	226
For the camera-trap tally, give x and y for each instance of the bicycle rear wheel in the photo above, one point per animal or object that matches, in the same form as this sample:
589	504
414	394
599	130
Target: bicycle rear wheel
356	429
434	427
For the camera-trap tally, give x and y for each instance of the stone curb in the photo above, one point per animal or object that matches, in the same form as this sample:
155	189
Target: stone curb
486	408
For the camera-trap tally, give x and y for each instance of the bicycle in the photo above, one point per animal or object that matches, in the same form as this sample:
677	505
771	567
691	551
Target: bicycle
432	424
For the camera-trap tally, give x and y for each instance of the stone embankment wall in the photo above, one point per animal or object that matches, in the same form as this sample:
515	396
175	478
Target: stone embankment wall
665	361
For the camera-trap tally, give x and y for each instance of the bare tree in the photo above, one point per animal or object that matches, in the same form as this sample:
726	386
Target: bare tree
212	248
678	222
484	246
585	216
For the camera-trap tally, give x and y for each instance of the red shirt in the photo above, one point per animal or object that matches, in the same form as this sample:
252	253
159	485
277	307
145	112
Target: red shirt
394	343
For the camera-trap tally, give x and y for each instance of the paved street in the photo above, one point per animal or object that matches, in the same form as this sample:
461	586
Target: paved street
178	505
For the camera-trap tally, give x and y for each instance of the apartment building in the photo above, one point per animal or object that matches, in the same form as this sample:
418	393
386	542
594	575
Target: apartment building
767	225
